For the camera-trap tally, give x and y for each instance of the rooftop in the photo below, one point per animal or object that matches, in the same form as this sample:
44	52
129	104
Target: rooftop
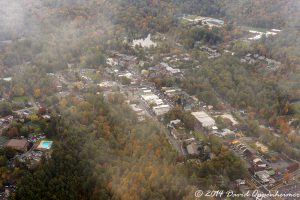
204	119
161	109
6	79
192	148
17	144
135	108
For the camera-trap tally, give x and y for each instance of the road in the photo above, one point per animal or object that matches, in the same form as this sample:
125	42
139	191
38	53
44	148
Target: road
34	107
176	144
24	109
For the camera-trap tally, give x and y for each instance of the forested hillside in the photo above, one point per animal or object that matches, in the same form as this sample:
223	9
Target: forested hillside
258	13
114	158
110	159
271	14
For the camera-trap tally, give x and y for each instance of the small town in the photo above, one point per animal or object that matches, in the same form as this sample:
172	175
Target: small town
199	103
269	170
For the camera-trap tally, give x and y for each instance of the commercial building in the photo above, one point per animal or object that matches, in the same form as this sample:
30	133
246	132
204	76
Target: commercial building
203	120
107	84
7	79
263	176
152	99
161	109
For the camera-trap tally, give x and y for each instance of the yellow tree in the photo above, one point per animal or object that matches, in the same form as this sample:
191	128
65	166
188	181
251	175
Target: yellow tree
37	93
287	177
18	90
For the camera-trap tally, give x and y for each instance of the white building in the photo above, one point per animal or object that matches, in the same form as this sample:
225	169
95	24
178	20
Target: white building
147	91
264	176
256	160
173	70
211	22
161	109
204	119
127	75
149	97
107	84
145	43
175	122
152	99
170	69
112	61
7	79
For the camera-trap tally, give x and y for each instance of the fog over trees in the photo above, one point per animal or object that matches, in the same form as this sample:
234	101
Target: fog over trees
70	74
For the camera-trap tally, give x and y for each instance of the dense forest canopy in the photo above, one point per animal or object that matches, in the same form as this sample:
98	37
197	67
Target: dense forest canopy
114	158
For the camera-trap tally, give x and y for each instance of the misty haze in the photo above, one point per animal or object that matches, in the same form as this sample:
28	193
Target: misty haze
149	99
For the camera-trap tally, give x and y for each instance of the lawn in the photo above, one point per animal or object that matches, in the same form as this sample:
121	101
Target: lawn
198	136
252	144
21	99
296	107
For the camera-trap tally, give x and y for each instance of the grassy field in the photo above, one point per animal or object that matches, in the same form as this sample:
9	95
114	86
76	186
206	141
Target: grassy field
296	107
198	136
252	144
21	99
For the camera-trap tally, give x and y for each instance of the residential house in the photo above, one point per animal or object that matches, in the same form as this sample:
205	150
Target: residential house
19	145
